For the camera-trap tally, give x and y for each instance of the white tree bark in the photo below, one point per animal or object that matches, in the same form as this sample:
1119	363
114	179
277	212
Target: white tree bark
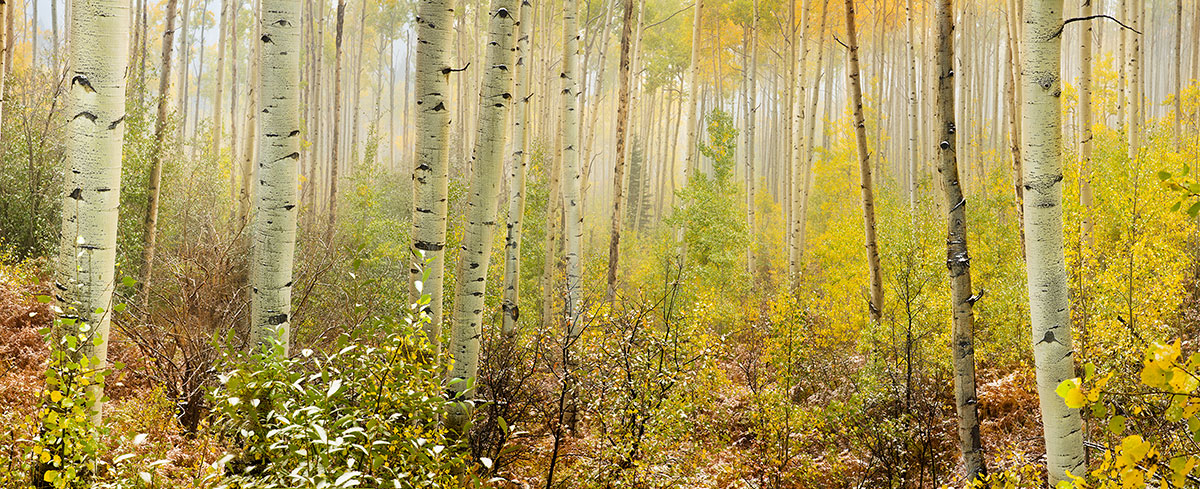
1049	311
751	115
572	214
430	173
875	307
1085	126
92	181
693	121
520	159
275	204
495	98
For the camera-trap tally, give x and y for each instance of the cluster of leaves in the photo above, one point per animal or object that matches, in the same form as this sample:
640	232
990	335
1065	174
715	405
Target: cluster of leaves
713	227
1156	422
366	414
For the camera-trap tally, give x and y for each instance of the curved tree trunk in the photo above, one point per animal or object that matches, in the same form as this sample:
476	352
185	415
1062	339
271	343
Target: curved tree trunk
958	260
430	173
511	305
1046	267
864	166
274	221
85	273
150	224
488	157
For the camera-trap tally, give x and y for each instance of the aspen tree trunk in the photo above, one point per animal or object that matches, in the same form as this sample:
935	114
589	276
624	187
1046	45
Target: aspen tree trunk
233	102
958	260
572	215
1177	81
431	170
219	98
337	122
690	161
494	100
1085	126
801	239
799	153
864	162
185	46
200	71
54	35
4	49
150	224
614	244
85	272
1135	88
1049	311
1013	99
511	304
252	107
912	154
751	116
274	225
356	89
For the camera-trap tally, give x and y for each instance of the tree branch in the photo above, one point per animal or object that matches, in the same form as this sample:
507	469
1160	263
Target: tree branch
1090	17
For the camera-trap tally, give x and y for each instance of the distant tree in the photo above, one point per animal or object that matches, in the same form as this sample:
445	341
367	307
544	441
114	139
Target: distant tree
517	167
709	210
150	224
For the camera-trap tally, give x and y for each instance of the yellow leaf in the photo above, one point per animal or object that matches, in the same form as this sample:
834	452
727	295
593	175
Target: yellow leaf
55	396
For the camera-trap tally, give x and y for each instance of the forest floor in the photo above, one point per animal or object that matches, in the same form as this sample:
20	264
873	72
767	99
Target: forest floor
1011	428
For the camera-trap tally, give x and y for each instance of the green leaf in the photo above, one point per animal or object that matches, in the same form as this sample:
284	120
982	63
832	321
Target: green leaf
1175	208
1116	425
120	307
44	299
128	281
1164	175
334	387
1186	169
1194	209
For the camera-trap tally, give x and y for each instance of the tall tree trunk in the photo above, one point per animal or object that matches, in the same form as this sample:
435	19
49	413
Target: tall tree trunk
53	35
252	101
1177	83
185	48
864	167
958	260
751	120
910	58
1085	126
431	172
274	225
200	70
693	122
150	224
234	7
1013	101
511	305
471	286
219	98
1135	83
572	214
614	244
799	153
1048	307
85	272
5	47
337	122
801	220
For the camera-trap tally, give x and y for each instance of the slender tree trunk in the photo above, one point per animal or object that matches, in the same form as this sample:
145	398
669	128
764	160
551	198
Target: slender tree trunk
274	225
337	123
200	70
5	47
219	98
614	245
912	149
691	162
511	305
431	172
751	120
1135	88
234	7
1013	100
252	102
54	35
864	160
1085	126
1177	82
958	260
1049	311
150	224
85	273
572	214
494	101
799	153
185	47
801	221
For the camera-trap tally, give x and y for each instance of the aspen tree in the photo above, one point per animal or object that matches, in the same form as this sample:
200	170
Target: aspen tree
751	116
1134	97
796	164
85	272
4	48
488	157
864	166
219	98
150	224
1177	83
520	161
801	221
1013	105
614	244
910	59
1045	264
185	46
275	205
572	214
432	162
337	118
1085	126
958	260
252	107
693	122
